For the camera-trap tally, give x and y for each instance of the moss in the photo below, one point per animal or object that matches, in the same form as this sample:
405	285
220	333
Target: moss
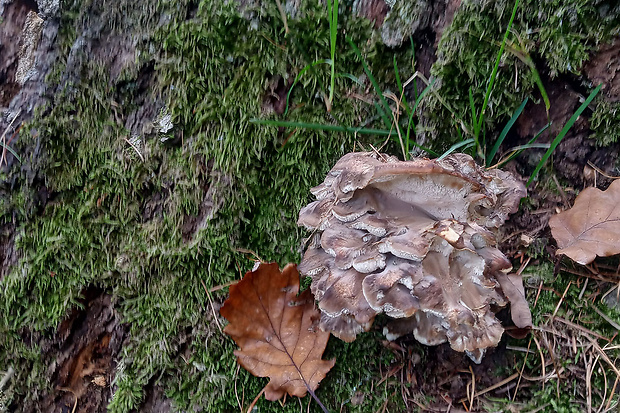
566	296
403	19
150	230
469	46
572	30
350	377
605	122
562	295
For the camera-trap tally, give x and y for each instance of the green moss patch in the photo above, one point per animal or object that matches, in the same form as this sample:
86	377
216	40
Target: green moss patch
554	37
149	210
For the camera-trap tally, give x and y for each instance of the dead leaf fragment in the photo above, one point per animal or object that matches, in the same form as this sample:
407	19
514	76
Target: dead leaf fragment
99	381
276	330
512	286
591	227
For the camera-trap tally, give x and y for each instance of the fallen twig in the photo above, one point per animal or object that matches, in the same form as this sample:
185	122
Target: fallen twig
9	373
473	388
514	396
212	307
604	316
542	357
72	392
557	307
611	396
494	386
582	329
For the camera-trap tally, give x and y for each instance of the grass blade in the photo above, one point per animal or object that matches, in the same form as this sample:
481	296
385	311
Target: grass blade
332	11
5	145
527	60
563	132
383	115
424	92
517	150
467	143
399	84
497	61
410	120
8	148
415	82
520	148
319	126
505	131
474	115
304	70
351	77
384	103
541	88
334	128
424	148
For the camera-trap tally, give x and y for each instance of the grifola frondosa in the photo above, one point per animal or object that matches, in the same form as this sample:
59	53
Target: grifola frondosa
414	240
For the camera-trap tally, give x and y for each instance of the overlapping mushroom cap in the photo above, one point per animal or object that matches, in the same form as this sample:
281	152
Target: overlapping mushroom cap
414	240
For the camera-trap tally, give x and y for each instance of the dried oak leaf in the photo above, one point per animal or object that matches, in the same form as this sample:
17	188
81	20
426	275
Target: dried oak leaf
416	241
591	227
276	330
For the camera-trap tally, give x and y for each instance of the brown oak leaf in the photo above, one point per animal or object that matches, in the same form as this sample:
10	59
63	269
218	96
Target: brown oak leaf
591	227
276	330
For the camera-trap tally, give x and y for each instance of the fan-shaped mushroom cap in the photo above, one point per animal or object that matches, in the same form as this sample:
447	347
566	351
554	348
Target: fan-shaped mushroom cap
413	240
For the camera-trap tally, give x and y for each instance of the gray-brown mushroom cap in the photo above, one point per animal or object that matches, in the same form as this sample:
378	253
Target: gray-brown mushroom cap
414	240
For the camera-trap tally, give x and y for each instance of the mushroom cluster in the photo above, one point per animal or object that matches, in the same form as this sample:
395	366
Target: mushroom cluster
414	240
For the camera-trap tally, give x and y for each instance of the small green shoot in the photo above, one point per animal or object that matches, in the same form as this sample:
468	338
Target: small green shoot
563	132
385	107
332	15
304	70
327	128
478	116
504	132
467	143
410	124
516	151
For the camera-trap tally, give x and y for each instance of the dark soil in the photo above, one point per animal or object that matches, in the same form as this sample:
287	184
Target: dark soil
156	401
81	356
443	374
604	67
